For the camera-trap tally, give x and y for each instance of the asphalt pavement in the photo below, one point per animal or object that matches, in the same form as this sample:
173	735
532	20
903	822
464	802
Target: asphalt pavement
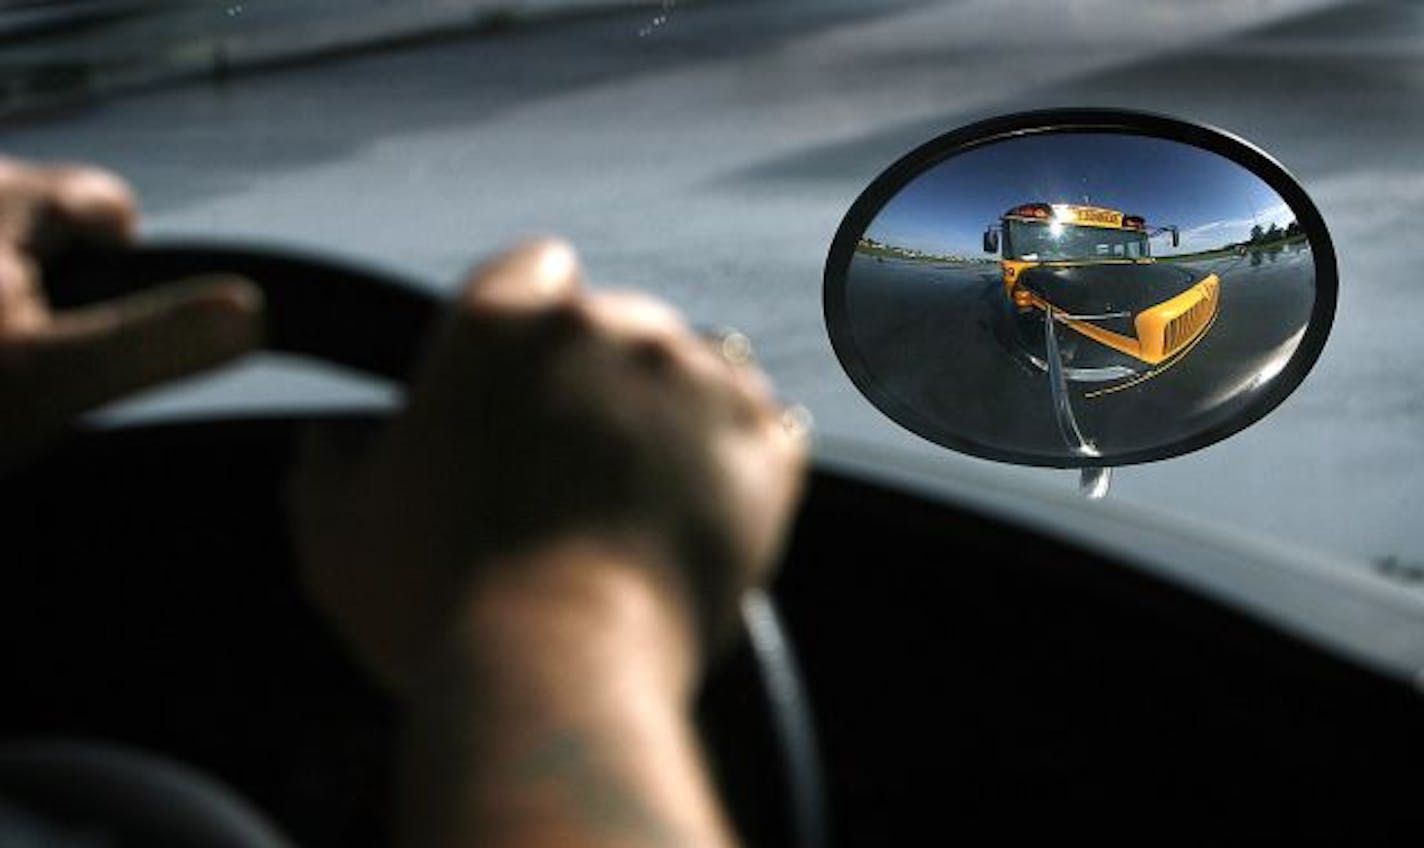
711	158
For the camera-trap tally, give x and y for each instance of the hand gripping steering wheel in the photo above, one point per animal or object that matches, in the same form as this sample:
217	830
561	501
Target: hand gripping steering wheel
375	324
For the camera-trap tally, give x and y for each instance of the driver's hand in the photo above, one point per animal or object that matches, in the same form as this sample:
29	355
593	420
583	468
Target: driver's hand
549	417
55	366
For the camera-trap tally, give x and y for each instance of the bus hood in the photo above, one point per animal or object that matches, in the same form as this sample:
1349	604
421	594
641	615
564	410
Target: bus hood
1097	288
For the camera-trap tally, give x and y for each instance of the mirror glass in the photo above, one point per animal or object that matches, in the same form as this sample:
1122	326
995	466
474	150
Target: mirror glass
1079	297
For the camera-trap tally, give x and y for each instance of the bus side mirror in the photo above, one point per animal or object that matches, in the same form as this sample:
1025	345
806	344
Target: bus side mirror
991	240
1176	237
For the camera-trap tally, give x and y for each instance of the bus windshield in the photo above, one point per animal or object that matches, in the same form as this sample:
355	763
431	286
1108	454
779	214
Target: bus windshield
1044	242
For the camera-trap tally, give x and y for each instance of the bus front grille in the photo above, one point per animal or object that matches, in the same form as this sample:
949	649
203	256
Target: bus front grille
1184	328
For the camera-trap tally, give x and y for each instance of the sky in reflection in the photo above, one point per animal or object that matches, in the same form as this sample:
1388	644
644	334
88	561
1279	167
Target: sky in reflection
1212	200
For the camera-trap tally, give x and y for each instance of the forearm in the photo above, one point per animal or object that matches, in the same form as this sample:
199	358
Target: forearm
562	716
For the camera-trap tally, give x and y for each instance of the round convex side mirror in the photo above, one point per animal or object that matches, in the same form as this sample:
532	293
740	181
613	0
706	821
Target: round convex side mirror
1080	288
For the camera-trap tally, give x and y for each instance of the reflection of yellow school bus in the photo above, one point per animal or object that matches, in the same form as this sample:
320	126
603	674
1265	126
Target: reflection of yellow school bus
1093	267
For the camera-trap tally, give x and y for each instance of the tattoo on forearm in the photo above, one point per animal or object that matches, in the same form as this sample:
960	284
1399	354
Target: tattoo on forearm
604	801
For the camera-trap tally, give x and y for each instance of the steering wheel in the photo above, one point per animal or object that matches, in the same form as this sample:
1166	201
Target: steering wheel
375	323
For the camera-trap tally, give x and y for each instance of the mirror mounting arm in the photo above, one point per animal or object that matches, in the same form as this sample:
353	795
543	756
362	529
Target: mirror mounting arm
1093	483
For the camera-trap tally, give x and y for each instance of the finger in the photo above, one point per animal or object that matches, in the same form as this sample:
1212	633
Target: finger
45	209
89	202
22	304
532	276
734	356
798	425
91	356
632	315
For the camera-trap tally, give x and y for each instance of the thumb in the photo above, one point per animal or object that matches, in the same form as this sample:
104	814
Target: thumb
529	276
88	357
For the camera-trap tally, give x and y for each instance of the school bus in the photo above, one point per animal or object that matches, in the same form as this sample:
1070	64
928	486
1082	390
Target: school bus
1092	268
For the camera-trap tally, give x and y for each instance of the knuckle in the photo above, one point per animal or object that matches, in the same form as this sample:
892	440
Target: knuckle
15	175
703	364
656	354
758	386
91	190
629	312
571	316
59	203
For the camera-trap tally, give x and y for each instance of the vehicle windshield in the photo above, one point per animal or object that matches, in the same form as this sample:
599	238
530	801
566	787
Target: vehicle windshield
1037	241
707	152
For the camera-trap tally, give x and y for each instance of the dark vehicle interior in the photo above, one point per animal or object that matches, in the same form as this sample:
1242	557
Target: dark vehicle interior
971	677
